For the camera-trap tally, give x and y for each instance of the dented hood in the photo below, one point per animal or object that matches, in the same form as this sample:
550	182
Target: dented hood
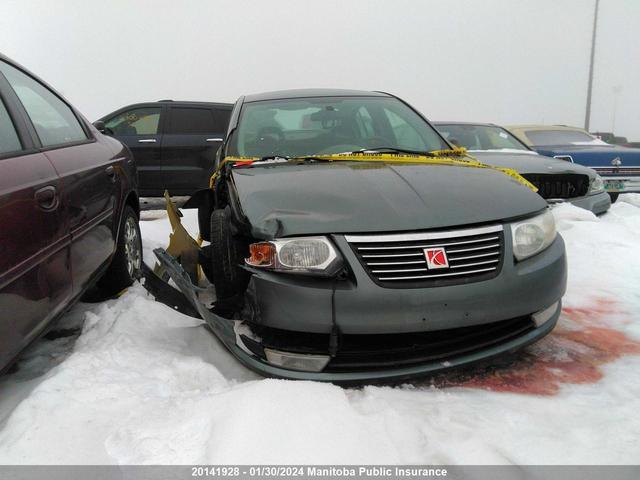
350	197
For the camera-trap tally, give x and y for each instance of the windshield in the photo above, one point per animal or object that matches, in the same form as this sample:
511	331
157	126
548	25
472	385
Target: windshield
562	137
480	137
325	125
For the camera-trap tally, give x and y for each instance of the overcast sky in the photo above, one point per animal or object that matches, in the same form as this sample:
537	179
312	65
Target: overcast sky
502	61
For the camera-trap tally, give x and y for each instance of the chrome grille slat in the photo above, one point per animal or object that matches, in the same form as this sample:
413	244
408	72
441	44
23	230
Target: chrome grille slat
452	274
469	257
413	262
400	270
495	260
431	245
394	255
473	254
617	170
403	237
473	249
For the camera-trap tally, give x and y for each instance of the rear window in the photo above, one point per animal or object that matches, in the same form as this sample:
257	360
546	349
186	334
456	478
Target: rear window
558	137
9	141
196	121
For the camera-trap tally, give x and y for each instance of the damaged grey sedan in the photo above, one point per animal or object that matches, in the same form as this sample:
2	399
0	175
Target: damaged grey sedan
343	239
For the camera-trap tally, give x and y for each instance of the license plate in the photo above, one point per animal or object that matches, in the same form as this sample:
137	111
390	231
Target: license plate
613	186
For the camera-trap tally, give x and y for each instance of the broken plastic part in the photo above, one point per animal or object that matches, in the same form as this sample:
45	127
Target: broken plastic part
182	246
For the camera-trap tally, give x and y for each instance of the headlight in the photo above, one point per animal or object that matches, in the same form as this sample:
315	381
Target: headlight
533	235
597	185
310	255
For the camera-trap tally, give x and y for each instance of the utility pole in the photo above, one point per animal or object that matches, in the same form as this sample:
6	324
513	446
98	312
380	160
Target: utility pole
587	116
616	91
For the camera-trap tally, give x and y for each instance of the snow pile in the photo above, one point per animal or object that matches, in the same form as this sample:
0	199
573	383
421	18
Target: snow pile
603	254
145	384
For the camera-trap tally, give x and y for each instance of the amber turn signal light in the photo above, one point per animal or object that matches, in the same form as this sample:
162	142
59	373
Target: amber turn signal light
261	254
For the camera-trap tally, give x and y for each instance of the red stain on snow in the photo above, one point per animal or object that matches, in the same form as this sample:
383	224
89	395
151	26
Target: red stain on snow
573	353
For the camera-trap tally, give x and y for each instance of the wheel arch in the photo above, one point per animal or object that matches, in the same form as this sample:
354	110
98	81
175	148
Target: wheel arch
132	200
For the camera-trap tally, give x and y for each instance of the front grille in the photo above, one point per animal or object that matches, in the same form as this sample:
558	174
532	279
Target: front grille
398	260
559	186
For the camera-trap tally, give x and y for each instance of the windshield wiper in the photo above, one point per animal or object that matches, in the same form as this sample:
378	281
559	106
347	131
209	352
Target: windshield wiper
318	157
393	150
270	159
274	158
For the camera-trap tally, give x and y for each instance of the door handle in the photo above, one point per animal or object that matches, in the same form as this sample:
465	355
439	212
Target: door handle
47	198
111	172
214	139
147	140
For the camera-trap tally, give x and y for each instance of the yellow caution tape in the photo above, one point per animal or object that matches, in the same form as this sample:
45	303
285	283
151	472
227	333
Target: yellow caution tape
456	156
453	152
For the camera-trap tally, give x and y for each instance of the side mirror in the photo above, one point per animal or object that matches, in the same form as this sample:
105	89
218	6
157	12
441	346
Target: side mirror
100	126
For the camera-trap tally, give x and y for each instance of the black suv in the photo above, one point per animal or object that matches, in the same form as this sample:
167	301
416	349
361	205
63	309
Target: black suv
174	143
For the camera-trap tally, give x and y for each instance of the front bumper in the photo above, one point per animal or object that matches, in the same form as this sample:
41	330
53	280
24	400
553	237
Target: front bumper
398	374
598	203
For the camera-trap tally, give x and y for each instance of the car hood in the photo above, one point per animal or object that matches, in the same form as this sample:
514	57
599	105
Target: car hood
344	197
595	155
526	163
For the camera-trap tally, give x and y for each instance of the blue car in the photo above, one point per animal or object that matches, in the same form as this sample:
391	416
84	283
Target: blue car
618	166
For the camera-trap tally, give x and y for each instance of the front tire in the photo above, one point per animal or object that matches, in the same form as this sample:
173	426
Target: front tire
614	197
226	256
126	265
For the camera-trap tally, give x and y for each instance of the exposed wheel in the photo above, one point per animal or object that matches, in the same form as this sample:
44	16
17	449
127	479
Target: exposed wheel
226	255
126	265
614	197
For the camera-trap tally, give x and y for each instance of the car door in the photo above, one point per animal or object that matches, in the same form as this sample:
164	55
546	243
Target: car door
191	138
140	129
88	175
35	268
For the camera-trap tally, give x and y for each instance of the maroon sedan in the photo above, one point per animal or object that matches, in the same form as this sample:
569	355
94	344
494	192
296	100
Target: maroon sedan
68	209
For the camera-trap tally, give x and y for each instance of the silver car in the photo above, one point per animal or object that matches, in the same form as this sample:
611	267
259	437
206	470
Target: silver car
557	180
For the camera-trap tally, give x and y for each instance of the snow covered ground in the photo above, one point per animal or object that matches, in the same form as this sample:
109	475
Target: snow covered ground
144	384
